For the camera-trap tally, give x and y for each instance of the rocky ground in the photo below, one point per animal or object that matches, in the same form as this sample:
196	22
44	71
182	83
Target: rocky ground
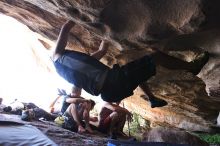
59	135
137	129
64	137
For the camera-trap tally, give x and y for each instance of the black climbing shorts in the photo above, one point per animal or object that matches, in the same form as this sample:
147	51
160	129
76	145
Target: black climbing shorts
122	80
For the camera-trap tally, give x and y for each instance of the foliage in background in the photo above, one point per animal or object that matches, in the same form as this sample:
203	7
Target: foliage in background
210	138
137	127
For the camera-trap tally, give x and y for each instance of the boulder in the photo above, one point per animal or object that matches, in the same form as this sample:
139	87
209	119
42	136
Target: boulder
173	136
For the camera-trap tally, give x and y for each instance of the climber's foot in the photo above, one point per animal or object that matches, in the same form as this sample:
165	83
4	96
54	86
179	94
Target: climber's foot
156	102
200	62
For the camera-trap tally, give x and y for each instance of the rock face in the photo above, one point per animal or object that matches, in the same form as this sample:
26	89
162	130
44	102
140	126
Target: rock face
188	103
173	26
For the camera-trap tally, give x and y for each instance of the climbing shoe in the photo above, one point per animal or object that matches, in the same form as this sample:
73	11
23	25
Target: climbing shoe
156	102
199	62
